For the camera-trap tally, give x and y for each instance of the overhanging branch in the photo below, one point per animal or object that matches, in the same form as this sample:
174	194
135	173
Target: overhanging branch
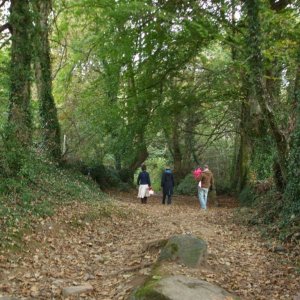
5	43
279	5
3	2
5	26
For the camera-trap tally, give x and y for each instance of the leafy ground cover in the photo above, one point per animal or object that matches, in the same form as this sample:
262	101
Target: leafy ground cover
36	193
113	248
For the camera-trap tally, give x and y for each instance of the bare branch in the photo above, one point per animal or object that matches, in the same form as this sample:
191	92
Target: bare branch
279	5
5	43
3	2
4	27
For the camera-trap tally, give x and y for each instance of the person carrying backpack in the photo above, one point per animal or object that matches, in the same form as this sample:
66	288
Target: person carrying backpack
207	180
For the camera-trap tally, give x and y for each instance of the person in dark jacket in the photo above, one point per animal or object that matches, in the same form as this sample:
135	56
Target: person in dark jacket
144	183
167	184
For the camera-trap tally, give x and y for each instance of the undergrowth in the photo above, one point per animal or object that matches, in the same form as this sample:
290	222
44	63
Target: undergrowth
36	192
271	213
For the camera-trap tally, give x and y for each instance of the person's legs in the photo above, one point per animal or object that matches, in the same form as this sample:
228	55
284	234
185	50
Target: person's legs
145	200
164	198
203	197
169	199
199	195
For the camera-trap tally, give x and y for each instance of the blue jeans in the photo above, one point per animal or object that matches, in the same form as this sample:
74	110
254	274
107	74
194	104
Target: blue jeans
202	194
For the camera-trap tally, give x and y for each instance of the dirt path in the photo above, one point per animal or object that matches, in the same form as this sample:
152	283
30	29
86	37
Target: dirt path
112	255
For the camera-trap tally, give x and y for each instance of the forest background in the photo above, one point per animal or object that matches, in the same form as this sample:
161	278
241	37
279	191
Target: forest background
100	87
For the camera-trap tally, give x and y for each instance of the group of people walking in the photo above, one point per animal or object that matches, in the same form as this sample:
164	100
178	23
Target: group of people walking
204	178
144	183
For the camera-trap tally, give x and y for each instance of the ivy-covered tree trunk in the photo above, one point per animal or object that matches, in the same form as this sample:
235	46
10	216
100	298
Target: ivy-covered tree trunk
257	82
19	125
138	147
19	120
244	155
292	191
189	143
48	112
176	151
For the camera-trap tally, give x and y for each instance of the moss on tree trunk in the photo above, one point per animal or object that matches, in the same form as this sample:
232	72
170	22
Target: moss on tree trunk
48	112
19	121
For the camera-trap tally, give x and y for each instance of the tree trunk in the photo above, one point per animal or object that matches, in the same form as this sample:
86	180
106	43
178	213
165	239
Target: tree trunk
140	155
257	82
244	155
189	159
48	112
292	191
19	125
19	121
177	155
139	147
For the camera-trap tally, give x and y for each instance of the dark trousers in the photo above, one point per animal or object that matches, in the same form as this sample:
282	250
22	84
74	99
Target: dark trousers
164	199
144	200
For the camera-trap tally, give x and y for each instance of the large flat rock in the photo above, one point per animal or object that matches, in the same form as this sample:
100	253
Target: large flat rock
182	288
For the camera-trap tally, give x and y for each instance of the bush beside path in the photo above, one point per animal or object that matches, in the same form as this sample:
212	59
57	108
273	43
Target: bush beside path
111	249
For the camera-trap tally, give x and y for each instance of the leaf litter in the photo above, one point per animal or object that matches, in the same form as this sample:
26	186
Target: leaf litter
114	252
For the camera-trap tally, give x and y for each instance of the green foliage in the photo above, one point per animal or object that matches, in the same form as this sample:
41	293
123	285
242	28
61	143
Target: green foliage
291	209
4	86
123	75
269	207
188	186
13	156
125	175
106	177
271	212
263	158
223	187
247	196
289	219
39	189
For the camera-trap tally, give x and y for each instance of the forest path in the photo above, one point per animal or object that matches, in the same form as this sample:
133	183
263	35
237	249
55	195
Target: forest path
113	254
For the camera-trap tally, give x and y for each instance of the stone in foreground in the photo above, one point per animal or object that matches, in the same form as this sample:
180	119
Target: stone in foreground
186	249
180	287
75	290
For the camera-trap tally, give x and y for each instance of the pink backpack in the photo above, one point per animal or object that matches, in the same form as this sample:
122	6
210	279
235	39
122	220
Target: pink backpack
197	173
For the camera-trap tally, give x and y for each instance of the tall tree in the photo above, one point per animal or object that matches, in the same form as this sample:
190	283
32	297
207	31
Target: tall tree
257	82
48	112
292	191
18	130
20	74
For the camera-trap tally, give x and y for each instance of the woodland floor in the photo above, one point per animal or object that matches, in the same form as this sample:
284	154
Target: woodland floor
113	253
